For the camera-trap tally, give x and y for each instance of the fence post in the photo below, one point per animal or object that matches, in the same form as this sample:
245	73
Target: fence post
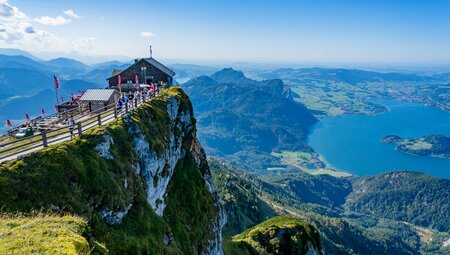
126	107
115	113
99	119
44	138
79	128
135	102
143	97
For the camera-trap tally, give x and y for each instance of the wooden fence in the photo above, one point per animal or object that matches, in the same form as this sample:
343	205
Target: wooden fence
13	149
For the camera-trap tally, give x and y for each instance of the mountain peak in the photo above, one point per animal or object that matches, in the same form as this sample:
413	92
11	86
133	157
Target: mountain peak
227	75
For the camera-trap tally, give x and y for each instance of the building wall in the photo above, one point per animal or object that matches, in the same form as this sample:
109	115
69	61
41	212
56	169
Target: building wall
151	72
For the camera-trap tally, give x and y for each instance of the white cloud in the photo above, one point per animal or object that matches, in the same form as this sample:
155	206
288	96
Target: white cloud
8	12
57	21
71	13
17	31
146	34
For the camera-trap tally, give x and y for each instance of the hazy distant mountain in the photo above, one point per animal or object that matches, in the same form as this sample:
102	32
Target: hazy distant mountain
8	61
108	64
186	72
245	120
100	74
18	107
350	76
17	52
24	81
28	86
66	66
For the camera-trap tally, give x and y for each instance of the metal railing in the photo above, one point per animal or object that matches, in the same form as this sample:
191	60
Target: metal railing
13	149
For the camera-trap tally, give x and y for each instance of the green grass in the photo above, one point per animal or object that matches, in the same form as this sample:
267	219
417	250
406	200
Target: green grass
187	190
43	234
280	235
296	159
74	178
334	98
331	172
419	144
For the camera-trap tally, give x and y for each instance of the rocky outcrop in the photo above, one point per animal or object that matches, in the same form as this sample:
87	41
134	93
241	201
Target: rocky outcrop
281	235
142	182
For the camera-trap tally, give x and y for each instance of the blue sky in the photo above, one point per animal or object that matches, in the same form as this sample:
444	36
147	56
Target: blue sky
264	31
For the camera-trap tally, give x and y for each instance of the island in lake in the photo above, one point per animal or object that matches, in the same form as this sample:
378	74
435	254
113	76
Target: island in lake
430	145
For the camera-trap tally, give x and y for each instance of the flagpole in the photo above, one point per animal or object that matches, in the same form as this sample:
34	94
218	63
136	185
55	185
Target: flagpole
56	88
57	98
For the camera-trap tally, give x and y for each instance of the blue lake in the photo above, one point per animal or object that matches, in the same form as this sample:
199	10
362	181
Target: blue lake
352	142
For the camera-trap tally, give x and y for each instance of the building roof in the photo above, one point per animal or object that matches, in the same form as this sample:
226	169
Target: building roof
151	61
98	95
116	72
160	66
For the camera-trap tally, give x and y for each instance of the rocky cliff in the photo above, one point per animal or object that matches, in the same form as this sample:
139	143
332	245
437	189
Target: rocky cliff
142	183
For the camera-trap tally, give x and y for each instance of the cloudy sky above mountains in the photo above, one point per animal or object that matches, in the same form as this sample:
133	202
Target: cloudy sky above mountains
259	31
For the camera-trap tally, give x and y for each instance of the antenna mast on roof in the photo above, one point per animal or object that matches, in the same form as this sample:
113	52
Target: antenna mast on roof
151	51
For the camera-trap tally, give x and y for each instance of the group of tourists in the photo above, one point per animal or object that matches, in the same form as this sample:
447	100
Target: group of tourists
147	92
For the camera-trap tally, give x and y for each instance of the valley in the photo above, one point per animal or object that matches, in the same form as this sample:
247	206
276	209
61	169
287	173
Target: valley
355	215
224	127
289	149
334	92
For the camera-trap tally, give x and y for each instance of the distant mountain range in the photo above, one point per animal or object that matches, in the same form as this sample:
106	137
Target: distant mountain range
244	120
27	81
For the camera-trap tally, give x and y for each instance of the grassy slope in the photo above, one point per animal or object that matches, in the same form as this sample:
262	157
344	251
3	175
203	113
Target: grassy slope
43	234
73	178
281	235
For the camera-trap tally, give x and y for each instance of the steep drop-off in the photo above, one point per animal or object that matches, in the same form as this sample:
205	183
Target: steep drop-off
392	213
142	183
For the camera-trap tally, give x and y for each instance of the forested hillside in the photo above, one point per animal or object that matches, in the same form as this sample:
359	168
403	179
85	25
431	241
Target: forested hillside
244	121
344	228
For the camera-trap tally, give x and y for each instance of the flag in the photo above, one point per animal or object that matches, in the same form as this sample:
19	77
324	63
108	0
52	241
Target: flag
56	107
9	123
136	78
56	81
119	80
42	111
27	116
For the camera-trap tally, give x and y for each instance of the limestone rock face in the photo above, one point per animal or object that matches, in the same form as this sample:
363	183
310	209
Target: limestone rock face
157	168
141	183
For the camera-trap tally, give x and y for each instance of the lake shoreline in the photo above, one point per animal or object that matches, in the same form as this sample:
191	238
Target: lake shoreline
351	143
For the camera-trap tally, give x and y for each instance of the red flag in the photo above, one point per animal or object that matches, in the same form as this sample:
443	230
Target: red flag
119	80
42	111
56	107
9	123
136	78
56	81
27	116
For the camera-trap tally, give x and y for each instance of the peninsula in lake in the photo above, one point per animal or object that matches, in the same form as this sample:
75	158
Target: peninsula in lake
430	145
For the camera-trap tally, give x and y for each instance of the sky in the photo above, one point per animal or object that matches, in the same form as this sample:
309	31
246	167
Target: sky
259	31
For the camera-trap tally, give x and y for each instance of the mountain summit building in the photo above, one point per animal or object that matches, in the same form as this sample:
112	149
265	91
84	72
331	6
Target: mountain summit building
148	70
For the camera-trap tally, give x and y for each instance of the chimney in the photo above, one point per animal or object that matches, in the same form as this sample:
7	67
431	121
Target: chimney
136	60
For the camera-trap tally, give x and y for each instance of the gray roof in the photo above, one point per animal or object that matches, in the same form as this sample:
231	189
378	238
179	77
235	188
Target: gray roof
98	95
116	72
151	61
160	66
